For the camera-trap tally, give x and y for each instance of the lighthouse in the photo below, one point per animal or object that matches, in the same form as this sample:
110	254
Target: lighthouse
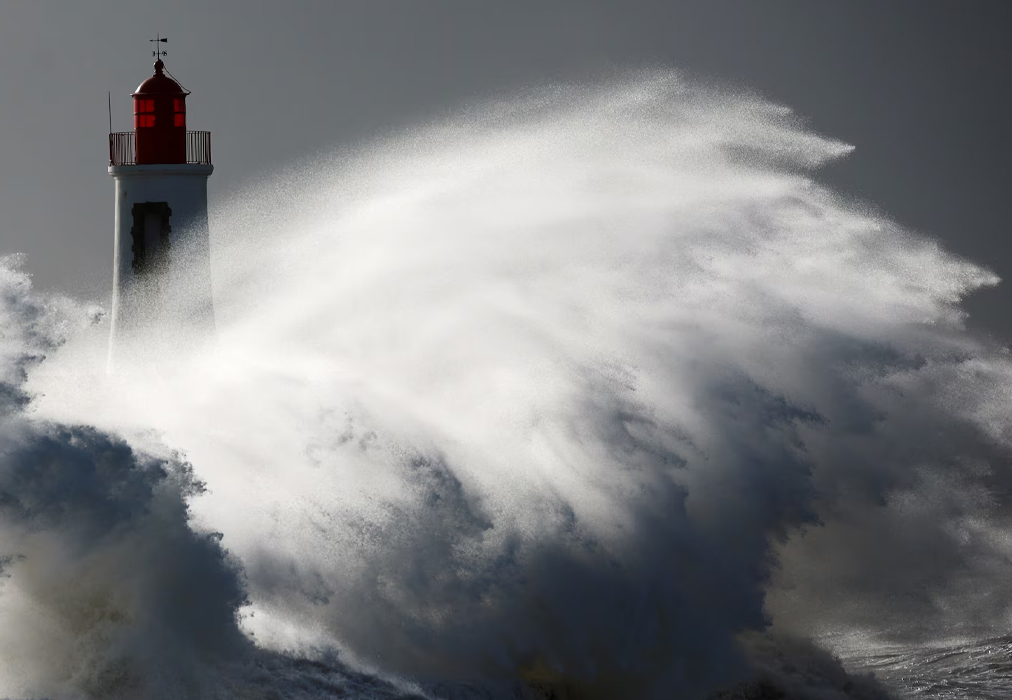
161	258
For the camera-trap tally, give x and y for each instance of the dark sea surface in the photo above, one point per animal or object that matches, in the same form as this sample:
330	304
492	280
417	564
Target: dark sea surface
973	670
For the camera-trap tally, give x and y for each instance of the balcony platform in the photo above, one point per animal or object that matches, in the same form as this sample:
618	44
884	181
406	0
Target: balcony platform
123	149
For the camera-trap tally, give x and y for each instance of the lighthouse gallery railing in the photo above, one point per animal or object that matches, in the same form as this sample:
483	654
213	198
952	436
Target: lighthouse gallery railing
122	148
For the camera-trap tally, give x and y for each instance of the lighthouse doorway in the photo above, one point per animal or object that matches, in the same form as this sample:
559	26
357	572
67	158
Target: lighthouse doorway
151	233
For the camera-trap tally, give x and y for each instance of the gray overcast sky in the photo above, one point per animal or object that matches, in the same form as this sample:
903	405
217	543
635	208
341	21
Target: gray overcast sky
920	87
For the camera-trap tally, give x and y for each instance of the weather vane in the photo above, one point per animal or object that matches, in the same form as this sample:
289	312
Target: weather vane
158	53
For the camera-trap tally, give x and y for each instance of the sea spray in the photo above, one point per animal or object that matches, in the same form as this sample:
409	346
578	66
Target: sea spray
106	588
549	389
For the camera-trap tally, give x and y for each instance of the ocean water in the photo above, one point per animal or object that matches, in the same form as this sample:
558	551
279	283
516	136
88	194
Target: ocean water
591	392
974	670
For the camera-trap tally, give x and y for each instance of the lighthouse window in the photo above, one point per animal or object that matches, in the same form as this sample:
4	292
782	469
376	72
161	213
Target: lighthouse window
150	234
144	113
179	107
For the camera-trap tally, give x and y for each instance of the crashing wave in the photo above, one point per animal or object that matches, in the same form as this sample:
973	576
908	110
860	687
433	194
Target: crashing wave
578	388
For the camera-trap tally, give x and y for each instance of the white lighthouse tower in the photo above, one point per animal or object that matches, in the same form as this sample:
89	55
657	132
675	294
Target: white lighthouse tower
162	267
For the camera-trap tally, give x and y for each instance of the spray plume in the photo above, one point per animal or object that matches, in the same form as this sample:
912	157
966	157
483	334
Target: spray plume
584	387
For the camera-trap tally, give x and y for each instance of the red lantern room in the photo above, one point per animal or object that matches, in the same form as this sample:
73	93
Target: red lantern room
160	119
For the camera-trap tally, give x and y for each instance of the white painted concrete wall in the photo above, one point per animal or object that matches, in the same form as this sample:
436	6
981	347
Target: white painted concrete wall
183	292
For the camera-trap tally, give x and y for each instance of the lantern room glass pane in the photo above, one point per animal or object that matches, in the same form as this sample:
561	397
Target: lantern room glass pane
179	105
180	120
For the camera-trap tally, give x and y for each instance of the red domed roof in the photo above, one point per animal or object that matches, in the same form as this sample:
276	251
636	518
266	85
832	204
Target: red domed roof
159	84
